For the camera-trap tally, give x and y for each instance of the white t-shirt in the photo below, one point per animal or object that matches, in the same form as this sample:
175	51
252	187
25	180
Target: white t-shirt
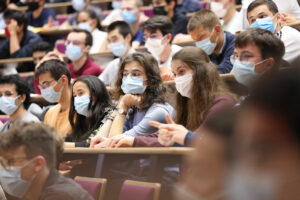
115	15
233	25
98	39
175	48
110	73
291	39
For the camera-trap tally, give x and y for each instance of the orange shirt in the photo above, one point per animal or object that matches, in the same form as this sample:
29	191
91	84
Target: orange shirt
58	120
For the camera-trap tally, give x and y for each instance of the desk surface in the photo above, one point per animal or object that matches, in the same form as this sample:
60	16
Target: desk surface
132	150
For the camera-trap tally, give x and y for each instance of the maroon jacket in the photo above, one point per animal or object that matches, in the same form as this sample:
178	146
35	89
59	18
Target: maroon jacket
219	103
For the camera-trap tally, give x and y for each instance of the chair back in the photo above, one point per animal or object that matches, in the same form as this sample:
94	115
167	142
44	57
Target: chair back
95	186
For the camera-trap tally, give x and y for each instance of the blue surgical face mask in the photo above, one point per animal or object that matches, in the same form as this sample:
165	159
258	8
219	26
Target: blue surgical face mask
244	72
118	48
116	4
128	16
73	52
133	85
7	104
12	182
264	23
81	105
78	5
85	26
207	46
50	95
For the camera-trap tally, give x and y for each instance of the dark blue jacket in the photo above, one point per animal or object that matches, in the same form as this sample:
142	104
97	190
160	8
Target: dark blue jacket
222	60
42	19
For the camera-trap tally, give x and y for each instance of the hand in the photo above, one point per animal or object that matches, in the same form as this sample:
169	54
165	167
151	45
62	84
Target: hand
121	141
68	165
287	19
170	133
166	74
129	100
50	23
13	27
98	139
182	38
50	56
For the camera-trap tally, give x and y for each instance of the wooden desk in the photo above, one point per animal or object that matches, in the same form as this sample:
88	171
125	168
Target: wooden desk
98	162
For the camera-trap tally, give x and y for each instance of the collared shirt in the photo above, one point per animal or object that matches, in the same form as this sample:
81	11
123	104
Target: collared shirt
88	68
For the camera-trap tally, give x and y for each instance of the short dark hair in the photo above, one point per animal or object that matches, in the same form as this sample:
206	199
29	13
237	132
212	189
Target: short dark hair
92	15
17	15
42	46
21	86
206	19
159	22
269	3
3	5
123	28
36	138
55	67
88	36
268	44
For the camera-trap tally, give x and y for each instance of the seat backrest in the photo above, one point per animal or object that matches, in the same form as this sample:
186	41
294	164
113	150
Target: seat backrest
95	186
139	190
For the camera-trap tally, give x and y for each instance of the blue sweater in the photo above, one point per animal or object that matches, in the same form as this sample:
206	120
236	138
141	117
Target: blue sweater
42	19
222	60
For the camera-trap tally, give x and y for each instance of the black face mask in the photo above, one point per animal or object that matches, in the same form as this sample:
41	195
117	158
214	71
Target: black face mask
159	10
33	6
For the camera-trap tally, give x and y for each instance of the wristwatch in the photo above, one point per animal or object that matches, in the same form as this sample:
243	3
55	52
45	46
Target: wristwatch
121	111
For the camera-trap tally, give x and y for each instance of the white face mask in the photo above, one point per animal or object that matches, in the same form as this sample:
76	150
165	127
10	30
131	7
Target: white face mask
218	9
50	95
184	85
155	46
7	104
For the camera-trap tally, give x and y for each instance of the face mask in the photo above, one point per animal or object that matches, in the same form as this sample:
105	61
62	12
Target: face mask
73	52
50	95
85	26
117	48
32	6
264	23
184	84
128	17
132	85
207	46
116	4
81	105
78	5
159	10
218	9
7	34
12	182
249	187
7	104
244	72
154	46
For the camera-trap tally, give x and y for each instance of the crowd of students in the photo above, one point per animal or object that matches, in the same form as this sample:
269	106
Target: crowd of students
244	147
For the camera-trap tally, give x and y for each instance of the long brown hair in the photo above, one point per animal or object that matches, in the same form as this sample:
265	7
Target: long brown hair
207	84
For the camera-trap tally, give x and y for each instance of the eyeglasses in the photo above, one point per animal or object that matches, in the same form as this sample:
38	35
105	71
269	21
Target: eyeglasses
45	84
133	73
74	42
153	36
242	58
7	164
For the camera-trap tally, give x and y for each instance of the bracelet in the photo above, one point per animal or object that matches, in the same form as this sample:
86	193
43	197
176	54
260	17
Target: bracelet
111	117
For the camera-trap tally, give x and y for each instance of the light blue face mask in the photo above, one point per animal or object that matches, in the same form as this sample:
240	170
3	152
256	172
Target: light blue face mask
244	72
131	85
128	16
50	95
12	182
264	23
85	26
206	45
7	104
118	48
73	52
116	4
81	105
78	5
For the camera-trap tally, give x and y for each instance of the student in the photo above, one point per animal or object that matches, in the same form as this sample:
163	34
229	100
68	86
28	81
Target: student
38	16
79	43
158	37
205	28
119	36
178	17
141	97
28	165
266	142
227	13
264	14
114	15
54	83
88	20
19	40
196	80
90	111
257	52
14	101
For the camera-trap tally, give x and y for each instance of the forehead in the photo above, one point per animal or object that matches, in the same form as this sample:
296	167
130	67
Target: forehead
176	64
128	4
114	32
259	10
158	1
8	87
149	32
134	65
76	36
39	53
249	47
46	76
80	85
83	16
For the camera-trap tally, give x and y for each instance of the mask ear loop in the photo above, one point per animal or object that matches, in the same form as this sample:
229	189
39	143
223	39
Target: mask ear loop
277	24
